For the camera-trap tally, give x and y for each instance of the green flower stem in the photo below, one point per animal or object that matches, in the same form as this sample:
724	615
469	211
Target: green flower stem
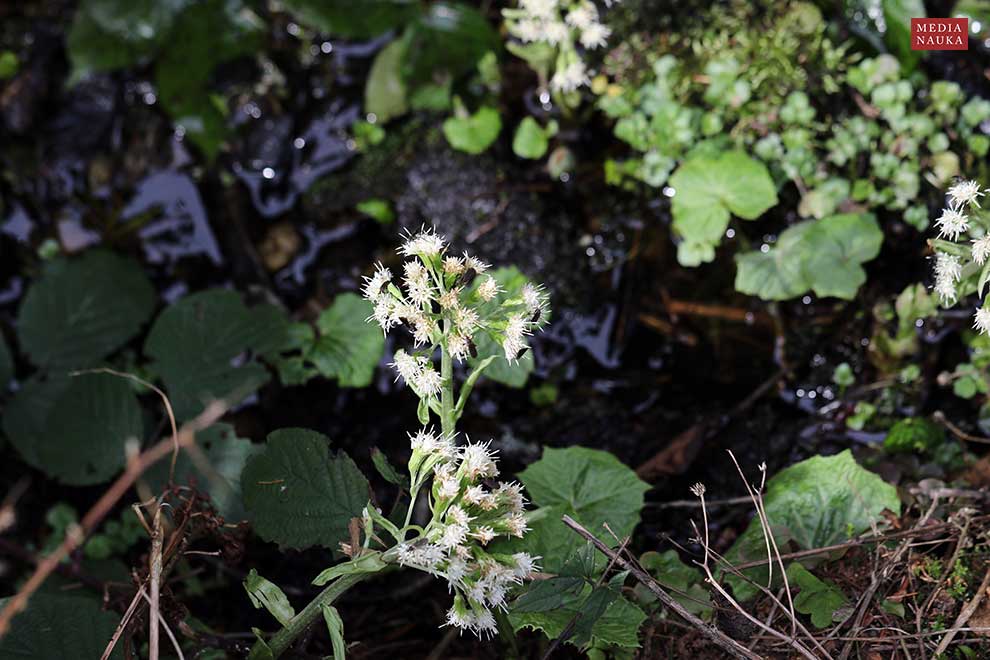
447	420
281	641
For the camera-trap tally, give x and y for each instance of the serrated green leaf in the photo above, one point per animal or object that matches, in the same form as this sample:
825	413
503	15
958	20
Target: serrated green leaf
225	457
196	342
298	494
818	502
74	429
58	626
591	486
82	309
914	434
475	133
264	593
347	348
817	598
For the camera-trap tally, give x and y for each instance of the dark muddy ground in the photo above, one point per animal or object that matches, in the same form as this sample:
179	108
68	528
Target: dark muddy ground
646	356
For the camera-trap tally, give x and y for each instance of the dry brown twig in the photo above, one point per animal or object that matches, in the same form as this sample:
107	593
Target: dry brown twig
719	638
184	437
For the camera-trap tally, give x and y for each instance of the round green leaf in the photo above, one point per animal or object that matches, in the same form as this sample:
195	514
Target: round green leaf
82	309
473	134
531	140
60	627
74	429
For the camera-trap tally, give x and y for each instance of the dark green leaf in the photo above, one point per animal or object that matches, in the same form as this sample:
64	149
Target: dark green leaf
353	20
57	626
914	434
74	429
298	494
897	15
448	37
618	624
82	309
196	341
544	595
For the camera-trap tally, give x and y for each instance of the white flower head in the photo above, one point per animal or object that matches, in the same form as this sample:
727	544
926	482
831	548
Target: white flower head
542	9
488	288
965	192
583	16
458	346
427	243
570	77
374	286
453	265
407	366
484	623
452	536
555	32
525	565
485	534
595	36
459	616
474	263
981	320
478	462
428	381
528	30
948	270
981	249
514	341
952	223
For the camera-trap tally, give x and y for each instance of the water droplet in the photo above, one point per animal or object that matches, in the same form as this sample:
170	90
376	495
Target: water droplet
268	173
806	300
299	143
371	118
668	191
326	47
764	248
730	232
800	394
150	98
293	29
565	177
544	98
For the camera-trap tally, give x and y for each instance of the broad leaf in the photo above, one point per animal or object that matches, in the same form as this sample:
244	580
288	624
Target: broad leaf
57	626
817	598
218	473
685	583
74	429
353	20
820	501
475	133
897	15
531	140
298	494
82	309
708	189
617	624
591	486
385	90
347	348
448	38
825	256
198	346
6	366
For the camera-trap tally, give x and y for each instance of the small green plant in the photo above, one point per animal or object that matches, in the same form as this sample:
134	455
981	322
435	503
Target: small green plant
448	303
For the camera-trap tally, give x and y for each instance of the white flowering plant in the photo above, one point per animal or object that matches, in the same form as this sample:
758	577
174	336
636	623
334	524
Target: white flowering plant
554	36
446	302
962	250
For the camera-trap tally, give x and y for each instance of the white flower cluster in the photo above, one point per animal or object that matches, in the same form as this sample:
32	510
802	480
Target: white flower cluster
956	262
560	25
445	300
467	516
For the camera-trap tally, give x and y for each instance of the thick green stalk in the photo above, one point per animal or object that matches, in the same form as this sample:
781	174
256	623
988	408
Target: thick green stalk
447	421
281	641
